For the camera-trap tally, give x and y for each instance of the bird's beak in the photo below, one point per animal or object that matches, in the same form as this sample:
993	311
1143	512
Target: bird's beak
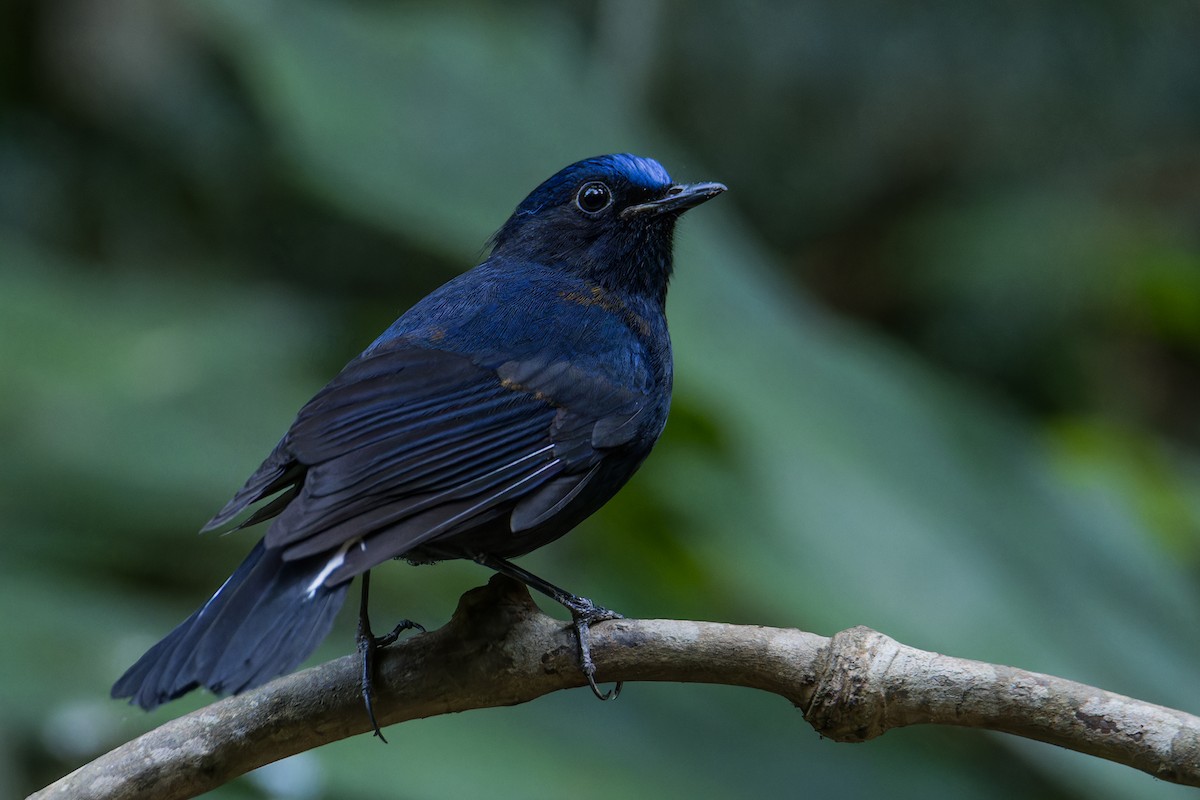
677	199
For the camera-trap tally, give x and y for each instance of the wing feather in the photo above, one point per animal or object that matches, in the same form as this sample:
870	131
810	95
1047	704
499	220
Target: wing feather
409	445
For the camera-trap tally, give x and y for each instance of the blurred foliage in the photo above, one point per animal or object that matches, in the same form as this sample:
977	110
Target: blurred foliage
937	351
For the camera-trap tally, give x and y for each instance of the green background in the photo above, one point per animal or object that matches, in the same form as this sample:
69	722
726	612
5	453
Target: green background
937	352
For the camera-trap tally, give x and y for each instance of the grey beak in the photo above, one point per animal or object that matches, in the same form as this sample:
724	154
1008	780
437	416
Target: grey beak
678	199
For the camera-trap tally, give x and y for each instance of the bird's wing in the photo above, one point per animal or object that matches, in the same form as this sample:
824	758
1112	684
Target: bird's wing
407	445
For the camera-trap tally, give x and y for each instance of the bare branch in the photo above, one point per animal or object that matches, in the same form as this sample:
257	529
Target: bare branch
499	649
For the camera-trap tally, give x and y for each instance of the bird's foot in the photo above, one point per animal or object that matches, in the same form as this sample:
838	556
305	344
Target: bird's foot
401	626
585	613
367	645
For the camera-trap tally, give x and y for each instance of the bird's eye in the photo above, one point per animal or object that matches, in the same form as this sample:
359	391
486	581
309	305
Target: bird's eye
593	197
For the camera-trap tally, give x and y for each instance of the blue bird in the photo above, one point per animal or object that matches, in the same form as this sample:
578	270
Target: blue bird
488	420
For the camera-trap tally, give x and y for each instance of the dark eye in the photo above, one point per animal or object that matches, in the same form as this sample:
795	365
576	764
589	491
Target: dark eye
593	197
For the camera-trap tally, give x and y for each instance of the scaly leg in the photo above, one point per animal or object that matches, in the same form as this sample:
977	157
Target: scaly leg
368	643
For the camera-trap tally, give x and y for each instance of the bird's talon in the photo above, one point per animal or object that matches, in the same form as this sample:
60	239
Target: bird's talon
584	609
583	625
366	648
401	626
611	694
604	697
600	614
584	613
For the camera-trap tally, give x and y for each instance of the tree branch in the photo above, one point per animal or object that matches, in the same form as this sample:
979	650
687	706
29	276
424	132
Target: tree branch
499	649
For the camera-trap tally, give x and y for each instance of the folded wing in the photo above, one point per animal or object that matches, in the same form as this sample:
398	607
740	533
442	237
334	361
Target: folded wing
408	445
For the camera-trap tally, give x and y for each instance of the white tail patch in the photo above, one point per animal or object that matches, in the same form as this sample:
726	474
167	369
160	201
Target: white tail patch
216	594
336	561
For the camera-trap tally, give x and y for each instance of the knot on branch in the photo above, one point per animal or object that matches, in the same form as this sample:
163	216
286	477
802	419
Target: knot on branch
491	652
849	701
490	612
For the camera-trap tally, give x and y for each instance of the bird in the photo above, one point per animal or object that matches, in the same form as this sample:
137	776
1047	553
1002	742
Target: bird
488	420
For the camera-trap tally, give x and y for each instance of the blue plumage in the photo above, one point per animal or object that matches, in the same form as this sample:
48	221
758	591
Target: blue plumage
488	420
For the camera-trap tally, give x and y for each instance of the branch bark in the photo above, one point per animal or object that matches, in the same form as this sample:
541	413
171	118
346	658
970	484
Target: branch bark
500	649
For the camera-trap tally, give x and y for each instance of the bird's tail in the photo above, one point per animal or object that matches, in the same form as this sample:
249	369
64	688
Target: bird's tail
266	619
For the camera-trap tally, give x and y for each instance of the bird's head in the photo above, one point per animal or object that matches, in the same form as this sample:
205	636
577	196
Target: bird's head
610	219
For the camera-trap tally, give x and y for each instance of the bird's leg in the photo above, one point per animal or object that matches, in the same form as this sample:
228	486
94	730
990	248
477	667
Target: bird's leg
583	612
368	643
365	639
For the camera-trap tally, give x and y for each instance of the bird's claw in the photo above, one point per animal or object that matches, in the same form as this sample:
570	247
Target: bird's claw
368	644
584	614
401	626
